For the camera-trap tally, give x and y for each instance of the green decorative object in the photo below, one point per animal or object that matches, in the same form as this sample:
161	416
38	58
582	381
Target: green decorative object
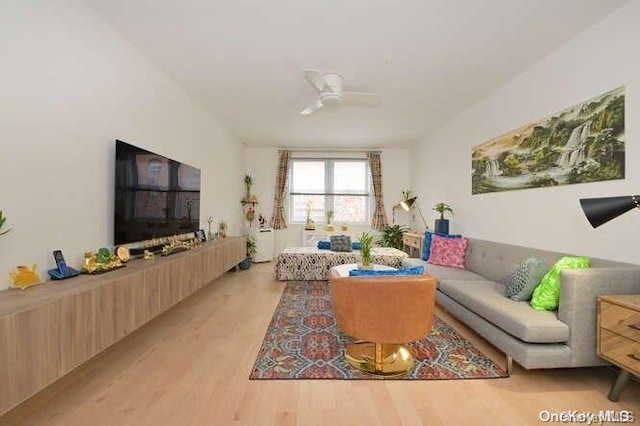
366	242
103	255
3	219
546	296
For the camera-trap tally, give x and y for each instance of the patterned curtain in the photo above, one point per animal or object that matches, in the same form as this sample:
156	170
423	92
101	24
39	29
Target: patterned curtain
379	220
277	218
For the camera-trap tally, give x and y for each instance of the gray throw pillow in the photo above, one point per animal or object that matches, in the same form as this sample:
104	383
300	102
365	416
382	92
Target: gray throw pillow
523	280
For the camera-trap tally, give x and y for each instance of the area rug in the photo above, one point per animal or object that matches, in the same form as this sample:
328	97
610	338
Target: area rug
303	342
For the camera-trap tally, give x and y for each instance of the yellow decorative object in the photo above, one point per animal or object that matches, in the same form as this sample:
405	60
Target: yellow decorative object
149	255
25	277
175	245
103	261
345	226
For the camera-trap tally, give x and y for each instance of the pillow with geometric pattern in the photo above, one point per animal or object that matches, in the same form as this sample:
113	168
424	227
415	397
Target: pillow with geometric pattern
523	280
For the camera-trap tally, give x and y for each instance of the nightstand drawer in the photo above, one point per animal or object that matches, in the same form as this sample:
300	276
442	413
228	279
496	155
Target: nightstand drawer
620	350
620	320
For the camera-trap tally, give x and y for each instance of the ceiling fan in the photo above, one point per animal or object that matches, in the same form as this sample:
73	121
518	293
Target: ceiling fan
330	94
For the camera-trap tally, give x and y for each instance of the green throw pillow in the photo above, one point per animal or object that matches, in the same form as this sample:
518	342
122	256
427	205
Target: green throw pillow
546	297
525	277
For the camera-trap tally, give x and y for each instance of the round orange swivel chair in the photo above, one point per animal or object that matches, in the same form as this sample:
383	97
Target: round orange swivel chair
383	313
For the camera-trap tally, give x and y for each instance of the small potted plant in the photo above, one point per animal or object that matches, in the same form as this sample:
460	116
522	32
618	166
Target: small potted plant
251	250
442	224
366	244
309	225
248	183
3	219
329	226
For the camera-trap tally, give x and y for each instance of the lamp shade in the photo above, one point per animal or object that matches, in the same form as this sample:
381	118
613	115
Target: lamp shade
408	203
602	210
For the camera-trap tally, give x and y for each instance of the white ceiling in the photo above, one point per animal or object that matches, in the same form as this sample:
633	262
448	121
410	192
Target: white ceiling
430	59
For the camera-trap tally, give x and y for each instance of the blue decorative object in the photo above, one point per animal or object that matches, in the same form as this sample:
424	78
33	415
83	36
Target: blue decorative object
426	249
324	245
356	245
416	270
245	264
442	226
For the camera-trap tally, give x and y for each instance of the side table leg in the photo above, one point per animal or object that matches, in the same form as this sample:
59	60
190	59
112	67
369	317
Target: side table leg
618	385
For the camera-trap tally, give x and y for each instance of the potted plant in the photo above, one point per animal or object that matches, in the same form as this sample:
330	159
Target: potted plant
366	244
248	183
3	219
442	224
309	225
392	236
251	250
329	226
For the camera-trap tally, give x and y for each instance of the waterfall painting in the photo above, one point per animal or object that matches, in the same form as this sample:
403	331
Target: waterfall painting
584	143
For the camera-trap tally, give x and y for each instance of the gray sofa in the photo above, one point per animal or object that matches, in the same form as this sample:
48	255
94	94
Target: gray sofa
534	339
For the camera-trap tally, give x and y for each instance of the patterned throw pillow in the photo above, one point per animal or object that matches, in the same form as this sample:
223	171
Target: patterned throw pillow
523	280
426	248
341	243
448	251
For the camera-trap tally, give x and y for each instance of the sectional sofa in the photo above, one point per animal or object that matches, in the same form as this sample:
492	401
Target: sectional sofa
533	339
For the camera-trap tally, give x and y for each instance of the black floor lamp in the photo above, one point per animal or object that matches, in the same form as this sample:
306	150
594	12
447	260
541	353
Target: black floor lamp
601	210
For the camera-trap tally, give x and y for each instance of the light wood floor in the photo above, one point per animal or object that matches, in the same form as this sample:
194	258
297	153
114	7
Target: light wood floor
191	366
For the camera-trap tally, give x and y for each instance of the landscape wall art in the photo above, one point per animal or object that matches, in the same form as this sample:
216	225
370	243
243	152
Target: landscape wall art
584	143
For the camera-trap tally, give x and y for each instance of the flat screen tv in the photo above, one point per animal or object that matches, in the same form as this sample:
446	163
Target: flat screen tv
155	196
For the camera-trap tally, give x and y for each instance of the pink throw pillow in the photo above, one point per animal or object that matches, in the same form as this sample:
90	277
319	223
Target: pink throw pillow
448	251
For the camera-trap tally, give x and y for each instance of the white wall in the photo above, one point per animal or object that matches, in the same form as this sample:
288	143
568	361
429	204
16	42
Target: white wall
600	59
262	164
70	86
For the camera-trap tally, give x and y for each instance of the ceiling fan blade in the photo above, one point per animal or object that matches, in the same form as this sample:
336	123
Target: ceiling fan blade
312	108
362	99
315	78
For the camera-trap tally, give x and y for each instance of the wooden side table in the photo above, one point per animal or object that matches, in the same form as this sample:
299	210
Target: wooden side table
412	244
619	337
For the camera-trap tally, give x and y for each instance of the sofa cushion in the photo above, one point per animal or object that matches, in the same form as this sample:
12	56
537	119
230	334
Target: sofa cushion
448	251
523	280
546	296
428	236
442	272
486	299
341	243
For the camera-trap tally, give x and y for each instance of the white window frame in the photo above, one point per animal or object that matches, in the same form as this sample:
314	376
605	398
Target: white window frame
328	184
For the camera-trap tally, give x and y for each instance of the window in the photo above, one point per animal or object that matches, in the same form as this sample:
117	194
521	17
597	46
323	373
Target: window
340	185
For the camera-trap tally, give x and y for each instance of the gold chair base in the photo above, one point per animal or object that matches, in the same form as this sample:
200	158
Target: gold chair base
381	359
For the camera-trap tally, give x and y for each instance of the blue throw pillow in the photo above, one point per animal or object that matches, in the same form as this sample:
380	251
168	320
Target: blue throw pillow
324	245
356	245
426	248
416	270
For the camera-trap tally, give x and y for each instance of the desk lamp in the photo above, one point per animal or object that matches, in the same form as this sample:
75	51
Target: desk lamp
410	202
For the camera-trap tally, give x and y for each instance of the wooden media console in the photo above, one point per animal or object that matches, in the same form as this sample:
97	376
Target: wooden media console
49	330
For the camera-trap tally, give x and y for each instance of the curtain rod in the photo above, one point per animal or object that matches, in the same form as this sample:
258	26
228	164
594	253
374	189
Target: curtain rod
359	150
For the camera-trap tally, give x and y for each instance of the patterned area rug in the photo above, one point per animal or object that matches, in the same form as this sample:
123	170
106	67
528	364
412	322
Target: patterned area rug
303	342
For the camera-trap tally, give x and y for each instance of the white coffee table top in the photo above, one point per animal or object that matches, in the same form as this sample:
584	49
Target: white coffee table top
343	270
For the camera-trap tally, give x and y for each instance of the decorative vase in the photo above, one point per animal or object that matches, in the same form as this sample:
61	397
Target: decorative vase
442	226
344	227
